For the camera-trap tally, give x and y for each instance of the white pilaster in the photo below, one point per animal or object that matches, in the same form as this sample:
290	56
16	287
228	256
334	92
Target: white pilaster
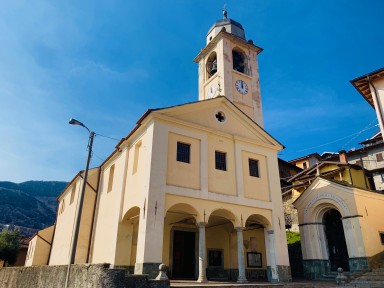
270	241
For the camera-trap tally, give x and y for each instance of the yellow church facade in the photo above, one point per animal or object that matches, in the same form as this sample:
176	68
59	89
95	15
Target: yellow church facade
194	186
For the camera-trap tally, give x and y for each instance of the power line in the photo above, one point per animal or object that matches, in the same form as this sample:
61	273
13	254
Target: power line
358	134
346	137
108	137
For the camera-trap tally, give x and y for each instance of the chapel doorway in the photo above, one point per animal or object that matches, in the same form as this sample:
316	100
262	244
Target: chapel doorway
183	255
337	247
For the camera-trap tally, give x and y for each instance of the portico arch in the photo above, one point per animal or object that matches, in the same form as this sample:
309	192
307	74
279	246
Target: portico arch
221	245
126	245
181	241
256	240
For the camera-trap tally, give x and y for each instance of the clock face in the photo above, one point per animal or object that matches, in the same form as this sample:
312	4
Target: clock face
211	91
241	87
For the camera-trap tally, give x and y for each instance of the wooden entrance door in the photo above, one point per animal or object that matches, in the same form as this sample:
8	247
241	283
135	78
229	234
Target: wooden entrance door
183	255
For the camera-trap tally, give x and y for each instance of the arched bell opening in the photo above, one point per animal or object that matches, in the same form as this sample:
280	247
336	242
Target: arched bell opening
335	238
211	65
239	61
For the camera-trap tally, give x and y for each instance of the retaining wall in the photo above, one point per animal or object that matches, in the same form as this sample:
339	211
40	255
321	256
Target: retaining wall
83	275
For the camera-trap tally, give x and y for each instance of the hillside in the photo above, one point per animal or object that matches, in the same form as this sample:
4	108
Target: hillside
29	204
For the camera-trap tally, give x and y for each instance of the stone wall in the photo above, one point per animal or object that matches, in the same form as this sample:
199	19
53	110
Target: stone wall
84	276
290	213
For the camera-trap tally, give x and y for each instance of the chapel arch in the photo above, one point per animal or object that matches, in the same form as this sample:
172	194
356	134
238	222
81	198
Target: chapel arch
315	209
335	239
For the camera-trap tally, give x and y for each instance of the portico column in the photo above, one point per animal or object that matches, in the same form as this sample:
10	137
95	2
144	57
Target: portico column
270	245
202	256
240	255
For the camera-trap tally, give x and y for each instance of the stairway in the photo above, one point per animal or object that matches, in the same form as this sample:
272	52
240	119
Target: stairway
373	279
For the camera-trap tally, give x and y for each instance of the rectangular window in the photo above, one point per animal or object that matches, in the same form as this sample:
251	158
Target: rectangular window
110	179
221	160
304	165
379	157
183	152
253	167
215	258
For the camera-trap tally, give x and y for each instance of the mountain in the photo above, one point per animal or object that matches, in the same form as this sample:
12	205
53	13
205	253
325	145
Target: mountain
29	205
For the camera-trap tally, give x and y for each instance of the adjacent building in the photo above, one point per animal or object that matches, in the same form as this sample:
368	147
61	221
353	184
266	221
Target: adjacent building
371	87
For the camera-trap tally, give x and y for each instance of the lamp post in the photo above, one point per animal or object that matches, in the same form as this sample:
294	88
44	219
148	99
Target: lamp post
81	199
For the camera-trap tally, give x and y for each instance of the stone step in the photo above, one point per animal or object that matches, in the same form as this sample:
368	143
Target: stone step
374	274
371	278
329	276
367	284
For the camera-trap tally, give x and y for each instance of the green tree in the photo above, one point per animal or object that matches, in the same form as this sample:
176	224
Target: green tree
9	245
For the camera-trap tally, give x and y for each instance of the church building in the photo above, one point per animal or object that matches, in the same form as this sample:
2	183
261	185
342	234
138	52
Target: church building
194	186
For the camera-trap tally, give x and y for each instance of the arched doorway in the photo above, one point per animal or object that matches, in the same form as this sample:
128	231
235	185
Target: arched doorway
180	231
337	247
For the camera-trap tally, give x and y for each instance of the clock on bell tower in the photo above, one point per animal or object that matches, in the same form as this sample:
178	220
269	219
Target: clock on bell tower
228	67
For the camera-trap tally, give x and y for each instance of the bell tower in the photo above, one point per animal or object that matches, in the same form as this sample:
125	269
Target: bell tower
228	67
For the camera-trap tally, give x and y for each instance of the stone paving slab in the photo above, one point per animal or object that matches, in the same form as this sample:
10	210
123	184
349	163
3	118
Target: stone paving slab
211	284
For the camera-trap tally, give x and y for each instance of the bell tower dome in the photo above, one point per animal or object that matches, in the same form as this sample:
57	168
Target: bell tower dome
228	67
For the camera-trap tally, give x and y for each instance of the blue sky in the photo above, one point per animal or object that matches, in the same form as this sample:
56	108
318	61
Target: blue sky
105	63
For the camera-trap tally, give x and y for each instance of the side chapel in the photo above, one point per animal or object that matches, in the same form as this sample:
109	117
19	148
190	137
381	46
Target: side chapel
194	186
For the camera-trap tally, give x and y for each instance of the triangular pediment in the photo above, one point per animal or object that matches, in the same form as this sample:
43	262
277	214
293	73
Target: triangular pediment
218	115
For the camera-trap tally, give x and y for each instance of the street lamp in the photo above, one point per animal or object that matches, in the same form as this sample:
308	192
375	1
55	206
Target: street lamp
81	200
